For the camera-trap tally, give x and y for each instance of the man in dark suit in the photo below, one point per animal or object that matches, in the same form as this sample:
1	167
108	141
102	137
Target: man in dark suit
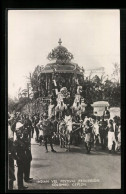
28	156
19	149
103	133
28	126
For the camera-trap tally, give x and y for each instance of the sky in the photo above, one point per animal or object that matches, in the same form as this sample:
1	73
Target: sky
92	36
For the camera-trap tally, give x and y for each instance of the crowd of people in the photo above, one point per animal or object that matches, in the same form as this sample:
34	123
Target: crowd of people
65	130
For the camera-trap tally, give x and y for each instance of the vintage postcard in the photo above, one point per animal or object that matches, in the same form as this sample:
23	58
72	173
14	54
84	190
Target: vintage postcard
64	99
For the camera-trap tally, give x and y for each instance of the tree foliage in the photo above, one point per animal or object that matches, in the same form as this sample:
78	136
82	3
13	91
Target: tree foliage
116	71
11	104
35	81
22	102
18	105
95	90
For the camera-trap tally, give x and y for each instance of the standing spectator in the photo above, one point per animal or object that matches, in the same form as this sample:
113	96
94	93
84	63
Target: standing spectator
119	139
28	126
27	144
10	155
103	133
19	147
116	131
111	135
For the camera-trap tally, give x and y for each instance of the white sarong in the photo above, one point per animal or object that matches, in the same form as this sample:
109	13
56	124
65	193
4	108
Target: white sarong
111	138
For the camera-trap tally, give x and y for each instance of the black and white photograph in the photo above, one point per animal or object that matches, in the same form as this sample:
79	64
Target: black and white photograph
64	99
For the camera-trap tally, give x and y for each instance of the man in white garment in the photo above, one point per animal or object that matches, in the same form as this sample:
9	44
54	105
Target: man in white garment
111	135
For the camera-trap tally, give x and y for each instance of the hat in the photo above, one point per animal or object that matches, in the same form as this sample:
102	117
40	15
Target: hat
18	125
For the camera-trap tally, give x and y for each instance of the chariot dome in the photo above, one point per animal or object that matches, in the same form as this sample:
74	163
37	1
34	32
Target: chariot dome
61	69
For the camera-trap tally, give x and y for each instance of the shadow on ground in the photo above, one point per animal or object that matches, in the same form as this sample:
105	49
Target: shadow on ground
93	151
39	165
39	159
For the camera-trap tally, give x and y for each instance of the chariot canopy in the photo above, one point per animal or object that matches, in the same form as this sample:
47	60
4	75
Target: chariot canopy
61	69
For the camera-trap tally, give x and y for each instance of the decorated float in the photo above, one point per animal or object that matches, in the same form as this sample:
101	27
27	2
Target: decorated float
60	80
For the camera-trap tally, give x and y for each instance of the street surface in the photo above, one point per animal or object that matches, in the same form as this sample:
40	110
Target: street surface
75	169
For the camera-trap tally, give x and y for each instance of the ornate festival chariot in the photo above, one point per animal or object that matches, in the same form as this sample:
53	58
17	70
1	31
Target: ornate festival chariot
61	78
